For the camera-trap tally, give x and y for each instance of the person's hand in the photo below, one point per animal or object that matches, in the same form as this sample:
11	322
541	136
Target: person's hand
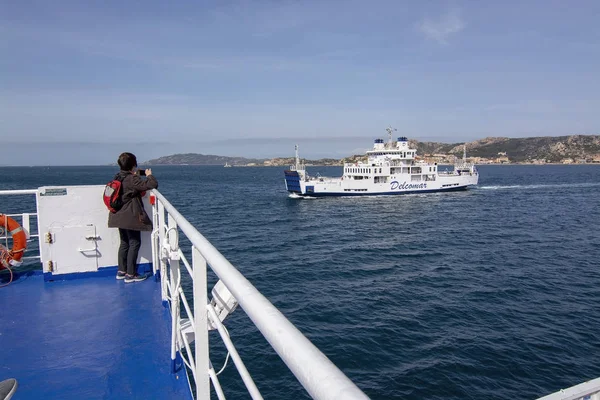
148	172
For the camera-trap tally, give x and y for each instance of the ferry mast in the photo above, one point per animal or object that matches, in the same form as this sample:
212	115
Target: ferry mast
389	130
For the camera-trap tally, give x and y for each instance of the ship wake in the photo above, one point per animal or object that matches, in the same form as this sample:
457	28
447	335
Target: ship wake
542	186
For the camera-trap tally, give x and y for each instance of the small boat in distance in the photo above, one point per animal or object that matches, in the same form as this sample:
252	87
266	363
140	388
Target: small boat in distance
392	168
227	165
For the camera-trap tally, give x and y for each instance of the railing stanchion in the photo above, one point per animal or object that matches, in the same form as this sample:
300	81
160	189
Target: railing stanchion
216	384
154	238
201	325
319	376
163	264
175	276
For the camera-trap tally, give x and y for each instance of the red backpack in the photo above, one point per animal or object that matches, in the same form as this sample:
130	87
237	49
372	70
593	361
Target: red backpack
112	196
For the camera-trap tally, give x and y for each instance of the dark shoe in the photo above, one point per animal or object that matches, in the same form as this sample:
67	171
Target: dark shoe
135	278
121	275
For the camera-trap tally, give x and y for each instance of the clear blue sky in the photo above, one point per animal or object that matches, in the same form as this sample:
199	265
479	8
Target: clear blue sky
82	81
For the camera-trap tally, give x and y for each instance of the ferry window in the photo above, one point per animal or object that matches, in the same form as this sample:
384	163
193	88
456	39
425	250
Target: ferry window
379	170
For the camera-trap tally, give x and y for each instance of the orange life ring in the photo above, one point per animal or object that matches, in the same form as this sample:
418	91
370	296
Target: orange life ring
12	257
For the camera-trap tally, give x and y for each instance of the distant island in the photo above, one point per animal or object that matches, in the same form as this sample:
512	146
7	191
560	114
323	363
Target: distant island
574	149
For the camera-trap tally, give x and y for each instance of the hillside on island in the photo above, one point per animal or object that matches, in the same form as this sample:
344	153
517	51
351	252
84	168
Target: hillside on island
546	149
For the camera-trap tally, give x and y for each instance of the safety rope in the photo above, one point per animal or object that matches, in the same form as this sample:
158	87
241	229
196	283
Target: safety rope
11	277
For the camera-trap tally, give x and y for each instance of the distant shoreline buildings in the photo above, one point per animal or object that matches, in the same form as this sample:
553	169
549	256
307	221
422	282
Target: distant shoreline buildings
574	149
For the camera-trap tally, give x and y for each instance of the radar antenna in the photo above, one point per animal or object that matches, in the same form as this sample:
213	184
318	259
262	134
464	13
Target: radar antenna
389	130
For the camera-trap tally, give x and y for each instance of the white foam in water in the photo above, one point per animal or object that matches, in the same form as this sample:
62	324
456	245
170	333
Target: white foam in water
296	196
563	185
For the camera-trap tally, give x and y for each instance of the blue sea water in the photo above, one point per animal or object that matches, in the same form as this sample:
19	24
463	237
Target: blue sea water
489	293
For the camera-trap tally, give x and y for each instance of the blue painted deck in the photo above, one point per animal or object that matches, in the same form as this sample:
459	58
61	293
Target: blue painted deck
95	338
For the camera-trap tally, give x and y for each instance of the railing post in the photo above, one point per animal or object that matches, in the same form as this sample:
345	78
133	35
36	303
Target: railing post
175	276
154	237
26	225
201	325
163	265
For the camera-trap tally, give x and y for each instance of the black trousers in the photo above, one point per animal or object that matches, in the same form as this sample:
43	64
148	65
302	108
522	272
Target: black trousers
128	251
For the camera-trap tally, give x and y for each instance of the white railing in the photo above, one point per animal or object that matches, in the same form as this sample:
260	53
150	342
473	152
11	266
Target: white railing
585	391
299	167
317	374
24	219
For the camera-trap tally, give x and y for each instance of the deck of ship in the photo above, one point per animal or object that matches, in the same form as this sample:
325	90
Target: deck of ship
93	338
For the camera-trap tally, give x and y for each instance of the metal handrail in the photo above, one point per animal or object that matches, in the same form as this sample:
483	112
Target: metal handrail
14	192
4	239
578	392
317	374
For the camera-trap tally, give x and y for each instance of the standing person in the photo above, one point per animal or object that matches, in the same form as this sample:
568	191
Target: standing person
131	218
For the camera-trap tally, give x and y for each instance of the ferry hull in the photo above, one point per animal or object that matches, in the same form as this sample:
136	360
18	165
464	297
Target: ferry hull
338	187
354	194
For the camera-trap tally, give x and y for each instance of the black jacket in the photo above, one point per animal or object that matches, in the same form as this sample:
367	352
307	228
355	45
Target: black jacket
132	215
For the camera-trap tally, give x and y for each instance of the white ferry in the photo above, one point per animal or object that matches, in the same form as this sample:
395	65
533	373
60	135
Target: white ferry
392	168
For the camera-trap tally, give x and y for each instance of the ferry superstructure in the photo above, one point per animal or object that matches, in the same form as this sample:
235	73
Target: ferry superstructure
391	168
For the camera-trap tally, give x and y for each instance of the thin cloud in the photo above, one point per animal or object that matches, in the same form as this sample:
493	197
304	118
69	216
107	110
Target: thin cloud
440	29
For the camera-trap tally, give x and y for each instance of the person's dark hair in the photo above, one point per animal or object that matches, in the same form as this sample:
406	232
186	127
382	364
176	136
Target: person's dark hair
127	161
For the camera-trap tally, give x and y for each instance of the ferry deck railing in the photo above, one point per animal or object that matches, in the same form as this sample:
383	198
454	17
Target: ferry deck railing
317	374
24	219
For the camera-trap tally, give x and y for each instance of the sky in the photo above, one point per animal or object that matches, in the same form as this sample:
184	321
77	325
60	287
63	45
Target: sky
80	82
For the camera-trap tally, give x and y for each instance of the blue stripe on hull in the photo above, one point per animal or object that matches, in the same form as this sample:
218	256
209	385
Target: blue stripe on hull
396	193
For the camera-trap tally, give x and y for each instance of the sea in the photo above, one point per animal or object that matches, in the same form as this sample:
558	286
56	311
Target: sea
490	293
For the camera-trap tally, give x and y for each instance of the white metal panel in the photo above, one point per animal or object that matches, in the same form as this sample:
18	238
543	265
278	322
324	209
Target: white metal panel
61	207
71	251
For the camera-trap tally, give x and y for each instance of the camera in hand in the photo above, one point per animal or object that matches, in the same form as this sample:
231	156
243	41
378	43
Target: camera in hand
141	172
